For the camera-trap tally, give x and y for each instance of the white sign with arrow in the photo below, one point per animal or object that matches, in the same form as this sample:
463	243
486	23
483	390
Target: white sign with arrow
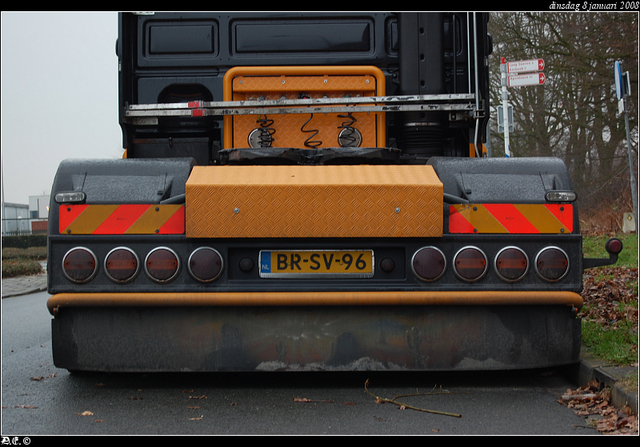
525	66
525	79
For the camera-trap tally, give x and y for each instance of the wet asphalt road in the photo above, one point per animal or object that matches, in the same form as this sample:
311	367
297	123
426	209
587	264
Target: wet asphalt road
38	398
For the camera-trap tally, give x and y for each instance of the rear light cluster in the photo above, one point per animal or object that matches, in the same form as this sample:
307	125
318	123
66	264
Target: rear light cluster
470	264
162	264
122	265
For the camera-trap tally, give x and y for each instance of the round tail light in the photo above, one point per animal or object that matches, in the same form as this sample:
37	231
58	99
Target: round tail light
470	264
613	246
205	264
162	264
511	264
121	265
552	264
429	263
79	265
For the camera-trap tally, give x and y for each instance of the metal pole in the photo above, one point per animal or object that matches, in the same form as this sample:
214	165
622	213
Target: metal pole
622	91
632	175
505	107
4	224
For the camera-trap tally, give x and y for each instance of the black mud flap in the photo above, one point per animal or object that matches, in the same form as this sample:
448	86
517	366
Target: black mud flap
427	338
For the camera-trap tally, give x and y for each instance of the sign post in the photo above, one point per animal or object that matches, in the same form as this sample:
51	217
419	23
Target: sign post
623	89
505	105
517	74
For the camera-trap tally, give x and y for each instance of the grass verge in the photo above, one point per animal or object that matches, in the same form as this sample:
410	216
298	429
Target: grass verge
610	312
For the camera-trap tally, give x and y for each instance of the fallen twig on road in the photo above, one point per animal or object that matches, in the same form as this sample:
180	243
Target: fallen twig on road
405	406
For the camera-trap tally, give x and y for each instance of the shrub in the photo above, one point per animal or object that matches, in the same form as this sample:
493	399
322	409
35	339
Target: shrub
35	253
22	261
25	241
20	267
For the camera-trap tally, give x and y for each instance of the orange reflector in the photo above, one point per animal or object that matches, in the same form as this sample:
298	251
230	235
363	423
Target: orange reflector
511	218
121	219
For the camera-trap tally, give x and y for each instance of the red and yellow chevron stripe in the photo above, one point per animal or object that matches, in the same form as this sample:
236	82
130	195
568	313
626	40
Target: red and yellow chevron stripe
121	219
511	218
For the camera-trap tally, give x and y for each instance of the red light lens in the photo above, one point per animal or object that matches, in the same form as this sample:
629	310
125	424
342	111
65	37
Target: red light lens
429	263
552	264
470	264
205	264
162	264
511	264
613	246
79	265
121	264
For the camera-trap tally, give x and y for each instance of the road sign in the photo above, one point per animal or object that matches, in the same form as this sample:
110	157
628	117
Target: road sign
618	78
525	66
623	86
526	79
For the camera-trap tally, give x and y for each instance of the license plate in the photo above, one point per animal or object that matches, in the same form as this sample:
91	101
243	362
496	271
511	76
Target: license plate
312	263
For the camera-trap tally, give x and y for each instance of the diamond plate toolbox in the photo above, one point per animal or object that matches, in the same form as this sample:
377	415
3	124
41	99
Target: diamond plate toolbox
313	201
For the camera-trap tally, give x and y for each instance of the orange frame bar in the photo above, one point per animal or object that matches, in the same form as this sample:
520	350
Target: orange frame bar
314	299
347	70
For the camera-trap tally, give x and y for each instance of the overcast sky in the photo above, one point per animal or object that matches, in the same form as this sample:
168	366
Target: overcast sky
59	95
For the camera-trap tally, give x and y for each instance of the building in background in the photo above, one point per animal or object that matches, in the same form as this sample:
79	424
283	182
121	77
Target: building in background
39	214
15	219
20	219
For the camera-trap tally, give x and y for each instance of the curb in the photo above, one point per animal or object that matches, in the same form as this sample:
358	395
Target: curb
23	285
607	375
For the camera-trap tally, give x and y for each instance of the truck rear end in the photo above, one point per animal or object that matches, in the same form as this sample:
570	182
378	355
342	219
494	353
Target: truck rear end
311	192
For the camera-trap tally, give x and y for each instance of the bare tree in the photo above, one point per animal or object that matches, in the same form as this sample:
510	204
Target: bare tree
574	115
